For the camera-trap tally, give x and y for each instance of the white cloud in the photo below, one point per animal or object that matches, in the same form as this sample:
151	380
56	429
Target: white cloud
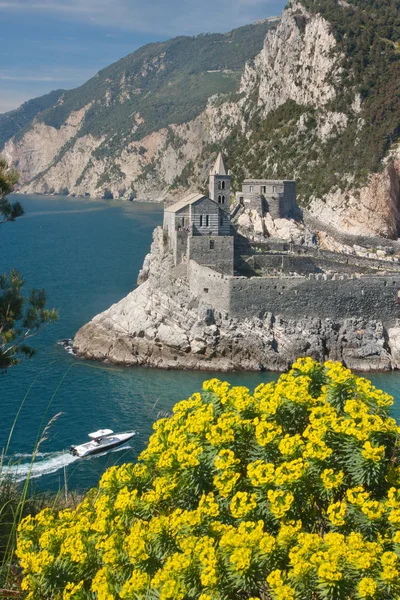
165	17
6	77
43	75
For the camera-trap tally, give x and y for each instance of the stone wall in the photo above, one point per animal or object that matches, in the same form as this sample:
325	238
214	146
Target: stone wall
367	297
326	256
216	252
303	265
210	287
370	298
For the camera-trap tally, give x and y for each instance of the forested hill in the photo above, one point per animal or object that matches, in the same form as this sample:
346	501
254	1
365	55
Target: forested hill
317	101
160	83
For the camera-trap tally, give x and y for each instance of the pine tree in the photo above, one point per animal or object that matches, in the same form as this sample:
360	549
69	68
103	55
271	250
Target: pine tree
20	318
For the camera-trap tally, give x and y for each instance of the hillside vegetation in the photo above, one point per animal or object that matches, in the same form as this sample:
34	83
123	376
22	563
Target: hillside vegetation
286	142
159	84
287	493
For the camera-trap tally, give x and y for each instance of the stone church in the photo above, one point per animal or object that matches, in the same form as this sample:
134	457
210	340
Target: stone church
199	227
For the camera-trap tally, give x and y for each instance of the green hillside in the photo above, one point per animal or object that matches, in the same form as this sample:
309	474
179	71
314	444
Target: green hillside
166	82
14	121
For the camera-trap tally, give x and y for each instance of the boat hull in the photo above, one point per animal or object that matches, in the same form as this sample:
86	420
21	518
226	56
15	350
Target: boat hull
92	448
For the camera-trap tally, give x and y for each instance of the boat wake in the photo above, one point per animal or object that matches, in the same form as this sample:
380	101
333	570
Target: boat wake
46	463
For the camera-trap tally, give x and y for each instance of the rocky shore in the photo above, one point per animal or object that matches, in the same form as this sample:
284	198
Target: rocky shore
161	324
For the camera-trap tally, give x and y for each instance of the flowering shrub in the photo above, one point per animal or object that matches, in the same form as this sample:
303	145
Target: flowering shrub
290	493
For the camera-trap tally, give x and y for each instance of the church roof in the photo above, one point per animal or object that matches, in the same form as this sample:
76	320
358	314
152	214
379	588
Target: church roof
191	199
219	167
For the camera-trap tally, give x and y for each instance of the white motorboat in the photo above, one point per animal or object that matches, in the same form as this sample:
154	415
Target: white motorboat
101	440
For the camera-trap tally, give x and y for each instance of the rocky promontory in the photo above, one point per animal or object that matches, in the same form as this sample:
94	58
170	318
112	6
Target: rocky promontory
162	324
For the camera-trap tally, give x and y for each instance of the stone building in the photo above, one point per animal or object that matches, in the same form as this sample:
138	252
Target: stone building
274	196
199	227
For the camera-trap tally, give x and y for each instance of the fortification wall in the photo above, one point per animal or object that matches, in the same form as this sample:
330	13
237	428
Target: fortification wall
209	286
216	252
303	265
293	297
321	296
272	246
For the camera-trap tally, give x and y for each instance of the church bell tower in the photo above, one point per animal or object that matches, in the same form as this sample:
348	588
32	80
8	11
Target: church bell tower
220	184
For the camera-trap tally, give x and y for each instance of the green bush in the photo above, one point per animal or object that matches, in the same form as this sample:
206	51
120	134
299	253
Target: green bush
289	493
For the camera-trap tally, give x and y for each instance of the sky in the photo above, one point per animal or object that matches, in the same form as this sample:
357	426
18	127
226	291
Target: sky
53	44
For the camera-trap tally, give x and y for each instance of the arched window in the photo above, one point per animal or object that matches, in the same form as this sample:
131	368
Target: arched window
219	200
207	220
223	200
201	220
219	185
223	185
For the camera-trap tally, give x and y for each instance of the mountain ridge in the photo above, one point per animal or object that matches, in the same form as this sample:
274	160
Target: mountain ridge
320	103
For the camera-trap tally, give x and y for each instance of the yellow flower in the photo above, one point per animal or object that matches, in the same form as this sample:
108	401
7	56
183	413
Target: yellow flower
71	589
241	558
225	459
208	505
329	572
372	509
260	473
374	453
280	502
217	496
332	480
316	448
137	584
289	472
357	495
290	444
226	482
367	587
242	503
266	432
336	513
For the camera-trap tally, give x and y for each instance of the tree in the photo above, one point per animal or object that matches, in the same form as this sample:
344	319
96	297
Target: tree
19	319
288	493
8	178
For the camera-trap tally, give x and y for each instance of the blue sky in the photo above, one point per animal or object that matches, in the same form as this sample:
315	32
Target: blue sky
52	44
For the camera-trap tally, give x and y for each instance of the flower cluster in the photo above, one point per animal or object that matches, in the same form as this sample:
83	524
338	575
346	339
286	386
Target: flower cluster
289	493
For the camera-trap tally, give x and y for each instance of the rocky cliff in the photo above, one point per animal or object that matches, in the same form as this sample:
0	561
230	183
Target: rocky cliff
320	102
161	324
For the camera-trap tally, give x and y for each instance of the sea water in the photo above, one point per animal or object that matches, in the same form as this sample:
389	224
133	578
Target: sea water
87	254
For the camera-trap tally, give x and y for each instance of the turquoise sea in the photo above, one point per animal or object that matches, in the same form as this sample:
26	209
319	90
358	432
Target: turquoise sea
87	254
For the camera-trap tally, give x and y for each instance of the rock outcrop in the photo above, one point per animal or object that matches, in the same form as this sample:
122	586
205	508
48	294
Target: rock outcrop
161	324
373	209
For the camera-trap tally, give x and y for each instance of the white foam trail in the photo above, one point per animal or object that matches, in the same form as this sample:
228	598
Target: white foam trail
54	462
47	466
28	455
